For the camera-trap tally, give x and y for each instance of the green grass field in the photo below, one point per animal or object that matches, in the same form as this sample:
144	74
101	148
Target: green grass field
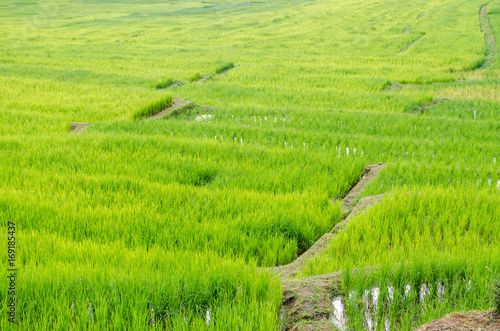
137	224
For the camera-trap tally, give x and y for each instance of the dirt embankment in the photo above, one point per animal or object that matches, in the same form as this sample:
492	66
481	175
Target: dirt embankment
483	320
307	301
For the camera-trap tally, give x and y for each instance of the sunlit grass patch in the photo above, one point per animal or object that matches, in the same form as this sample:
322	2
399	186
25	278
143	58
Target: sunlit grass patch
161	221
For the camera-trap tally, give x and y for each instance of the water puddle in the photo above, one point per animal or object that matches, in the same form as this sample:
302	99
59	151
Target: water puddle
204	117
208	316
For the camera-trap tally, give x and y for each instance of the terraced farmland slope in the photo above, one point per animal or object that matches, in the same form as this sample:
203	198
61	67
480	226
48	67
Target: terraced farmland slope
140	224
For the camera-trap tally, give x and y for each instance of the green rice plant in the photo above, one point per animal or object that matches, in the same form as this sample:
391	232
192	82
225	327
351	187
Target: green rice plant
224	67
195	77
154	108
164	83
476	64
425	223
406	295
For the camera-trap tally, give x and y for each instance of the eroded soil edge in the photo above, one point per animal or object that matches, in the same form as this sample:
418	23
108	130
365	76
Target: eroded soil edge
306	301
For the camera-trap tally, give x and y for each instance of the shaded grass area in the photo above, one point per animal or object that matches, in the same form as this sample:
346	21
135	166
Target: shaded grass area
496	295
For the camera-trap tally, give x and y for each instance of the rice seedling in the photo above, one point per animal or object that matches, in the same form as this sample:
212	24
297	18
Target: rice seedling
164	83
407	295
224	67
195	77
154	108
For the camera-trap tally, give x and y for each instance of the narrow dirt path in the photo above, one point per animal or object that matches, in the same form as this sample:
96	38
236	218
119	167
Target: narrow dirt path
407	46
471	321
78	127
348	204
490	42
306	301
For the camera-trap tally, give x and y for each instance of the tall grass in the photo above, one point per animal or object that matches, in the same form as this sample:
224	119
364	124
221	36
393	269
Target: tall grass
143	288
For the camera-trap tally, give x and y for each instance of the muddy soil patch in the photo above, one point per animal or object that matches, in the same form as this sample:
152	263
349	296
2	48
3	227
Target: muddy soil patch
78	127
306	302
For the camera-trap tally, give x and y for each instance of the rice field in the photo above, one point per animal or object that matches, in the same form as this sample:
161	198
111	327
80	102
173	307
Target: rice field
141	224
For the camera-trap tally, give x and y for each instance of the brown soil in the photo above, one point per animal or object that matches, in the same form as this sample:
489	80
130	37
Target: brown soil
349	201
484	10
306	302
79	127
473	321
176	105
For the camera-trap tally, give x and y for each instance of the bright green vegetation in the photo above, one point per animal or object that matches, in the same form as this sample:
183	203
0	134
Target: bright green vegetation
224	67
165	83
154	108
137	219
432	224
437	251
411	294
195	77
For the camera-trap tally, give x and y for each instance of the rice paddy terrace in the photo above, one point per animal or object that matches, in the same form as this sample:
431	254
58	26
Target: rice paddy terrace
205	165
